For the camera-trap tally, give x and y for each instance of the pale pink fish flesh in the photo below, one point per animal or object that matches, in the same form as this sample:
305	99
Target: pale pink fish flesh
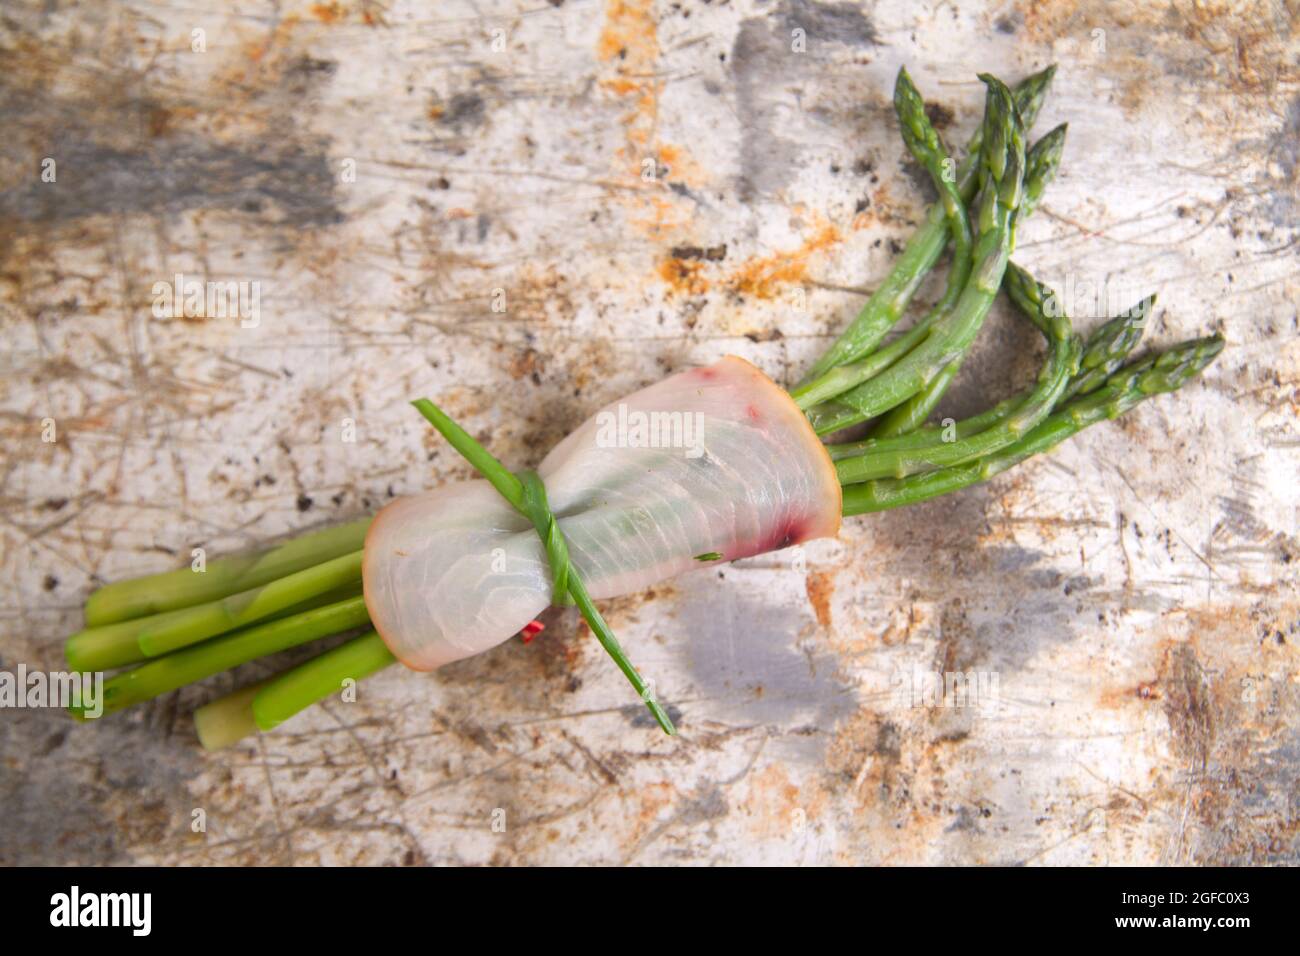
452	572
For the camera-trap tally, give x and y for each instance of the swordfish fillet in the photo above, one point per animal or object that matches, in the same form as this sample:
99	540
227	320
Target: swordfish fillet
715	459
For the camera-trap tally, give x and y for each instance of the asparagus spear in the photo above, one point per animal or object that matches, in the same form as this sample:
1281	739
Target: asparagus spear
267	704
922	251
1164	372
118	645
164	674
125	642
925	436
1063	360
299	688
1108	346
1002	165
1111	342
229	719
138	597
928	435
1041	163
923	143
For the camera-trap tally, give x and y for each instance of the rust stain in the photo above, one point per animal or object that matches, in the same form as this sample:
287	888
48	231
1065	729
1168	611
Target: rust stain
659	215
1189	704
541	294
1232	44
820	586
1225	677
629	46
526	364
760	277
1115	698
865	756
1147	690
630	33
629	43
776	806
652	800
256	51
681	165
903	622
766	276
328	12
1044	21
683	276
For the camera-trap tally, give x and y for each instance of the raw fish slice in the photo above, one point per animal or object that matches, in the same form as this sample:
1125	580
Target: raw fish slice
715	459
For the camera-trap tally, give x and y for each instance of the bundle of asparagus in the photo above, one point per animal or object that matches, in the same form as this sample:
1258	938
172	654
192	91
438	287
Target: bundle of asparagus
440	576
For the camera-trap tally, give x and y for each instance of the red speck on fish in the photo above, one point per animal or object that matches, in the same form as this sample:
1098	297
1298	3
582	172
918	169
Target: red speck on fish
531	630
794	532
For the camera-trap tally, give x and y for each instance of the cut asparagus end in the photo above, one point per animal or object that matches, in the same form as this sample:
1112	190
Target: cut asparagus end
227	720
193	664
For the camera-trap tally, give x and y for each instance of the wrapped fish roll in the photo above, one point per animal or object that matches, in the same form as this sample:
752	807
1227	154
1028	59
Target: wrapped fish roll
713	463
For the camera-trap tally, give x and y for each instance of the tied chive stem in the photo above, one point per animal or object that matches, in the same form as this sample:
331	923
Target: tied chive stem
528	496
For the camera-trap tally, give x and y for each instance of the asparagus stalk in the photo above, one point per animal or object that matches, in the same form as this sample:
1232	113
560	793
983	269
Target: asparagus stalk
923	143
193	664
268	703
1108	346
1063	360
1110	343
299	688
228	719
124	600
1002	163
924	436
1041	164
928	435
887	304
118	645
125	642
202	621
1164	372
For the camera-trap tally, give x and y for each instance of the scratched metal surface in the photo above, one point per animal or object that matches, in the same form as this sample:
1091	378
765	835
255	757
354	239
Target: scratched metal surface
1135	595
